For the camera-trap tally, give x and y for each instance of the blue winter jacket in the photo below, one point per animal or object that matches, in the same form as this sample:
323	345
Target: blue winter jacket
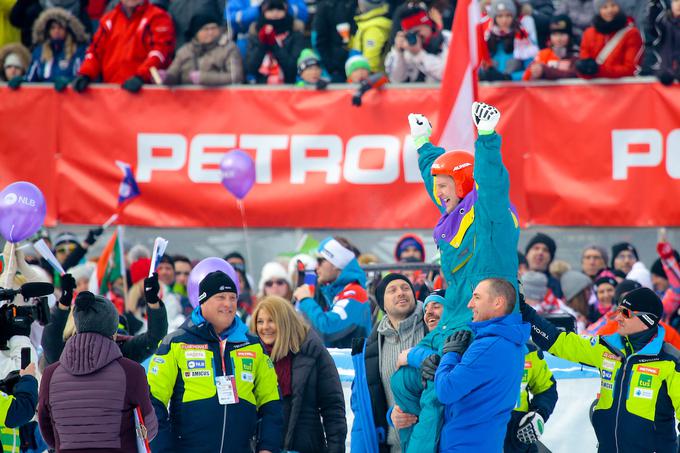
479	390
349	310
59	66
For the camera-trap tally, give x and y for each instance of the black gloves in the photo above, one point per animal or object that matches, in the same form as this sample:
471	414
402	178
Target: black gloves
60	84
151	289
665	77
93	235
133	84
15	82
429	367
321	84
81	83
68	284
587	67
457	342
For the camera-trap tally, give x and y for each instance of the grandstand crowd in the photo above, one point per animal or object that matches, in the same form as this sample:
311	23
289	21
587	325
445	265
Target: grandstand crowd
316	42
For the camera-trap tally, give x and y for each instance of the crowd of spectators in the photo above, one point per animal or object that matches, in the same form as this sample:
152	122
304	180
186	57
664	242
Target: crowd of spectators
315	42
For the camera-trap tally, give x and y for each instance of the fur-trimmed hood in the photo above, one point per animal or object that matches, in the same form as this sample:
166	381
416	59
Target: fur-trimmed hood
18	49
62	16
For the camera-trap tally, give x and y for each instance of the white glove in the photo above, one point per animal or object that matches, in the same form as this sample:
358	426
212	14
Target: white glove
531	428
421	129
485	116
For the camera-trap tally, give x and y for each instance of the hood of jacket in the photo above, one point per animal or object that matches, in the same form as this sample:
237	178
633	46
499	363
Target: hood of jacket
350	274
72	24
88	352
380	11
18	49
509	327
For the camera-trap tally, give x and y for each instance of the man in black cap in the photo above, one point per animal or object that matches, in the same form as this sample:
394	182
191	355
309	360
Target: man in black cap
401	328
540	251
222	385
640	382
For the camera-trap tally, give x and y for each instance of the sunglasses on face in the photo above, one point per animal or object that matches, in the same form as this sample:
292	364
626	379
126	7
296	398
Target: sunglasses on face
628	313
271	283
65	249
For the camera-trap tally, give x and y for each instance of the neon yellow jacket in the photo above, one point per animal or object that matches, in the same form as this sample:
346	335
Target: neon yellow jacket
373	32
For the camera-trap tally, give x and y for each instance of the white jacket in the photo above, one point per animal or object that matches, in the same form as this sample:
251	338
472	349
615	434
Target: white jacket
641	274
404	66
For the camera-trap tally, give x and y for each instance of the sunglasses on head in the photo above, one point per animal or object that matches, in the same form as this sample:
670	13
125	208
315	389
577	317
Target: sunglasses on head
271	283
628	313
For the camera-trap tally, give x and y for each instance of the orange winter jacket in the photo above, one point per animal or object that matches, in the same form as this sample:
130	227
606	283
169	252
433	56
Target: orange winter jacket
554	66
127	46
623	60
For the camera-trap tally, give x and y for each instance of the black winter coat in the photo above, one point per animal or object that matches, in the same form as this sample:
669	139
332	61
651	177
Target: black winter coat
316	395
137	348
332	50
286	55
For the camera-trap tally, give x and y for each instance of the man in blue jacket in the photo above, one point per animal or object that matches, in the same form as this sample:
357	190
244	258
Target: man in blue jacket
479	385
338	308
476	235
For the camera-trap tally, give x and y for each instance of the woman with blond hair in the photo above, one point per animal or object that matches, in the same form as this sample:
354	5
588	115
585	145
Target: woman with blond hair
308	379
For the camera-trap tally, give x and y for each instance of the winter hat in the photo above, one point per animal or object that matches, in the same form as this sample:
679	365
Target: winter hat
274	4
199	21
214	283
409	240
356	62
438	296
382	286
542	238
499	6
573	282
413	17
368	5
332	251
535	285
309	262
605	279
644	300
271	271
598	4
307	59
95	314
620	247
65	237
14	59
624	288
139	269
561	24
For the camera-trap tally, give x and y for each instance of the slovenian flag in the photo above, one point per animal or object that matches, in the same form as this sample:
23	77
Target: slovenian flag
128	188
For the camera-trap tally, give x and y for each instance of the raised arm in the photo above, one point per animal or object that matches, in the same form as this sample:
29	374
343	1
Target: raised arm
421	129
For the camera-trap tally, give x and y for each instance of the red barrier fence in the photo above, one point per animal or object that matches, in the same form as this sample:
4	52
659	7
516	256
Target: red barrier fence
581	154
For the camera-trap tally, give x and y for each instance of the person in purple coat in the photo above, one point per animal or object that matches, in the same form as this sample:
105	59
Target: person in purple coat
87	399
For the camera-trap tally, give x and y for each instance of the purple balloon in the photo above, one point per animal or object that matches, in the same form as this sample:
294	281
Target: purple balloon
22	211
238	172
202	269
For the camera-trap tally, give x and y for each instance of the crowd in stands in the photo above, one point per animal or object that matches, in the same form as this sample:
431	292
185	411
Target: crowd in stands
315	42
294	321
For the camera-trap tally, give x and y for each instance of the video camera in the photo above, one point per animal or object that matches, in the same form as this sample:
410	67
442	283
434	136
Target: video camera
17	319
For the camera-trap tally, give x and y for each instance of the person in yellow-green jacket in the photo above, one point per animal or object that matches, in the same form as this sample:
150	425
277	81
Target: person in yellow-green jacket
536	402
17	409
220	385
640	374
373	32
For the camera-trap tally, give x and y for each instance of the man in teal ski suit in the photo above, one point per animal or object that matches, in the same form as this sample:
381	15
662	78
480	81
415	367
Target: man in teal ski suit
477	238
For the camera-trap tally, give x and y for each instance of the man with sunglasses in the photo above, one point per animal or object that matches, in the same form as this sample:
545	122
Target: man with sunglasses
640	382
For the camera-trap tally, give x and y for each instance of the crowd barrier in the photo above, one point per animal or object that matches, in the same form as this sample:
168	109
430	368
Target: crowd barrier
590	154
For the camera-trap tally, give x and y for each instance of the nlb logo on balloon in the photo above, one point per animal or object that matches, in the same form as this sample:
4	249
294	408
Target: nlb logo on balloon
12	198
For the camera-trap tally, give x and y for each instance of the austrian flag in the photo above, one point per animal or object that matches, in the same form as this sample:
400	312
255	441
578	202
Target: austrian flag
128	188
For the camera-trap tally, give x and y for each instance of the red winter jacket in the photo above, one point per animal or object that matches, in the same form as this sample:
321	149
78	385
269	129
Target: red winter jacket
124	47
624	58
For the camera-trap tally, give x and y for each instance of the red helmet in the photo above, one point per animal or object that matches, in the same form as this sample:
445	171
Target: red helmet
458	164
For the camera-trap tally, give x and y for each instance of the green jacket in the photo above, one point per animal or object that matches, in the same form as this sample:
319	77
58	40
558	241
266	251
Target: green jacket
639	393
373	33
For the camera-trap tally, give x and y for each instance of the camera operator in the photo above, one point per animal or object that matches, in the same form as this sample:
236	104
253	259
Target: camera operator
419	50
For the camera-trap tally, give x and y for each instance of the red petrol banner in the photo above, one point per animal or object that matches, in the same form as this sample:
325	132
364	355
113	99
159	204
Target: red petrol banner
581	154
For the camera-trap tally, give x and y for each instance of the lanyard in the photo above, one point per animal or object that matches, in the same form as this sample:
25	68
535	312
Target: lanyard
223	346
